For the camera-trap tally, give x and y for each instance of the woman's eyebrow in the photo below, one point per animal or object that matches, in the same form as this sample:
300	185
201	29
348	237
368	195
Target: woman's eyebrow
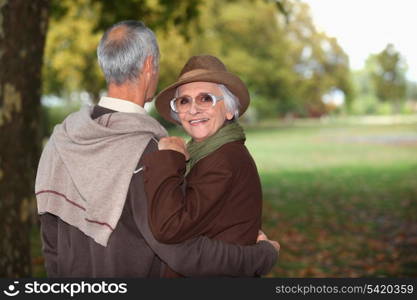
199	94
184	95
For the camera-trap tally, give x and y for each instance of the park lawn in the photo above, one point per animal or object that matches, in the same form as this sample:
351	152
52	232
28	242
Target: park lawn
340	198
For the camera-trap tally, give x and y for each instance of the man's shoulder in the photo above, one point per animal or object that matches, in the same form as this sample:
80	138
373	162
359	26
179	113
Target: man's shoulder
151	147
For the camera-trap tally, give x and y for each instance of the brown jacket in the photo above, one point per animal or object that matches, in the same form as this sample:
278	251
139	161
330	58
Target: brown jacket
221	199
132	250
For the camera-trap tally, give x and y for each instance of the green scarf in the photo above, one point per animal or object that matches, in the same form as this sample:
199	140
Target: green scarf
230	132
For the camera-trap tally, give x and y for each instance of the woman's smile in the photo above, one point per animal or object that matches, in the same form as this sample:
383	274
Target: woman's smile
197	122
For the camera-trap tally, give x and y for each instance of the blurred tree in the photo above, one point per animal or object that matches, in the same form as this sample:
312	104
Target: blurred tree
255	46
157	14
251	45
286	63
321	63
23	26
412	90
363	81
75	30
70	53
388	75
366	101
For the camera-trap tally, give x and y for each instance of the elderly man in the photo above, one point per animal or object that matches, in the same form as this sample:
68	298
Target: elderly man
90	189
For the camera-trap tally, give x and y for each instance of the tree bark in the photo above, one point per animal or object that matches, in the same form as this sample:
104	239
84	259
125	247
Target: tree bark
23	26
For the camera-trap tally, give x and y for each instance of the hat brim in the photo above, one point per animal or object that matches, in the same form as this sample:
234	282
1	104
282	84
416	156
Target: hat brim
231	81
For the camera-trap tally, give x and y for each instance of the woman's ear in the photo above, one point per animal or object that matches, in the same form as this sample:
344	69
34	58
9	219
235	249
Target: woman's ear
229	116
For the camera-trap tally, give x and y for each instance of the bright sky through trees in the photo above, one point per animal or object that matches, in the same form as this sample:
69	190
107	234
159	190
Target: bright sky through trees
363	27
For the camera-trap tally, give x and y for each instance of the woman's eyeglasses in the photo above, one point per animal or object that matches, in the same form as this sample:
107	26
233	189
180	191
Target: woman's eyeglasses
183	104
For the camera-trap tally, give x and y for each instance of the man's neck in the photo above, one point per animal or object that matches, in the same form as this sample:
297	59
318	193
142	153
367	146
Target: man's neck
127	91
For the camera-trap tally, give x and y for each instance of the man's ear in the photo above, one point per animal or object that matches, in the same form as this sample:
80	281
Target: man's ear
148	67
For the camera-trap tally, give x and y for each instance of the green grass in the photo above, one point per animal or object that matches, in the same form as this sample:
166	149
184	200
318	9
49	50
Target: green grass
340	202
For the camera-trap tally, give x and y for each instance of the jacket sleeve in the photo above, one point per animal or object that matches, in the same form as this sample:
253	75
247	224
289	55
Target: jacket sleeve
201	256
49	235
175	215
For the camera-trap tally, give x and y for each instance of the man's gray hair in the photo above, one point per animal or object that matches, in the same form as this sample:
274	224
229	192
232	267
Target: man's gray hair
230	101
121	57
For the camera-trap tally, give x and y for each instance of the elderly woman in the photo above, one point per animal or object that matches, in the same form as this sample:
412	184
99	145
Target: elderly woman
215	191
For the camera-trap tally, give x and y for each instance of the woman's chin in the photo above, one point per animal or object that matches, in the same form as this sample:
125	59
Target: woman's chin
199	137
198	134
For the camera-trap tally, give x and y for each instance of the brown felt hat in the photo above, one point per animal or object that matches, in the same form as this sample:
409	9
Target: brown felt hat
205	68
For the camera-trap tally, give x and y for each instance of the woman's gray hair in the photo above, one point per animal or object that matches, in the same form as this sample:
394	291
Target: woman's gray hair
122	57
230	101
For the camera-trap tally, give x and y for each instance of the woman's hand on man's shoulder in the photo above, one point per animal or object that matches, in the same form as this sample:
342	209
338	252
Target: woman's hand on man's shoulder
175	143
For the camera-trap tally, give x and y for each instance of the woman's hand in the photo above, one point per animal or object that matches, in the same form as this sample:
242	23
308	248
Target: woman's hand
174	143
262	237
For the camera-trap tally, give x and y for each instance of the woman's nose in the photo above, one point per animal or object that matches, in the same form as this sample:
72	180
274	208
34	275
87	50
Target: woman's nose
193	108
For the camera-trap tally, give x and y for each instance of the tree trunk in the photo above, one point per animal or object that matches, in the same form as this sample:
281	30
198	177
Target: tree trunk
23	26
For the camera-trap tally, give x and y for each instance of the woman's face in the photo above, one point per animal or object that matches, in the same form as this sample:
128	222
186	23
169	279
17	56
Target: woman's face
202	123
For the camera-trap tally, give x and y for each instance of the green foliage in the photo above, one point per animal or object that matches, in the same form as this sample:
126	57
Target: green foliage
412	90
388	75
319	61
368	104
55	114
157	14
166	124
70	63
76	26
287	64
381	85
